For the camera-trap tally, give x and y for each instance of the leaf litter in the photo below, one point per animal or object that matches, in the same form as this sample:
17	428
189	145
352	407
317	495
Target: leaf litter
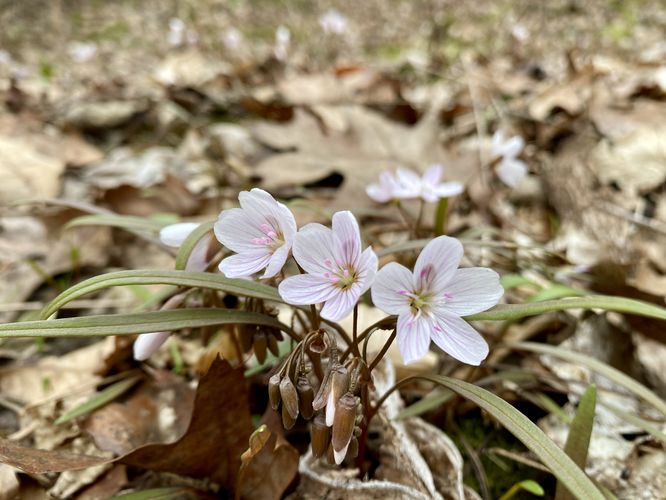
180	130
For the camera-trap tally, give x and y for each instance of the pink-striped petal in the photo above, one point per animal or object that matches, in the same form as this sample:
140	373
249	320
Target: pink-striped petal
472	290
367	269
197	260
413	336
436	264
432	175
314	245
347	236
245	264
339	305
305	289
459	340
389	291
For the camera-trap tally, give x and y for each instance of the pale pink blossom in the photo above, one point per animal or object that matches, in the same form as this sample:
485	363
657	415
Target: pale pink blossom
387	189
406	184
332	21
510	169
147	344
430	302
282	42
232	39
261	233
174	235
338	272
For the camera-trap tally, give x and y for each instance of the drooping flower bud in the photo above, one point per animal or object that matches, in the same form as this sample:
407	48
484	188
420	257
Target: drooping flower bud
343	425
353	448
273	345
260	345
274	391
339	385
320	436
289	397
305	397
287	420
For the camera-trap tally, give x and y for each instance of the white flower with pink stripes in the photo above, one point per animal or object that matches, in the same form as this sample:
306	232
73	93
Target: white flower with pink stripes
338	272
261	233
430	301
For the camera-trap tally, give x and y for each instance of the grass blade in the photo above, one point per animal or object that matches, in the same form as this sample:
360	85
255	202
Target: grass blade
99	400
528	433
129	222
212	281
605	302
596	366
174	493
190	242
578	439
128	324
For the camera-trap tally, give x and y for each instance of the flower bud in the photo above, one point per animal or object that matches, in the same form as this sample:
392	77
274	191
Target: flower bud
273	345
320	436
319	344
339	386
305	397
343	425
353	448
287	420
274	391
289	398
259	346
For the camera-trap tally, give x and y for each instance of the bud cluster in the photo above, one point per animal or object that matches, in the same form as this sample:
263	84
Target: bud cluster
260	338
334	410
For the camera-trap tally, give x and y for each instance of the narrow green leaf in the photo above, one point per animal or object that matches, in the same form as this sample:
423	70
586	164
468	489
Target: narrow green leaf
175	493
178	278
556	291
605	302
98	400
528	433
578	439
120	221
528	485
128	324
190	242
509	281
597	366
440	397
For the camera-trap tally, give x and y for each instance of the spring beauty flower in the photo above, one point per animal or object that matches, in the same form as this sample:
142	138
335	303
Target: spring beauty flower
430	302
406	184
261	233
332	21
173	236
338	273
510	169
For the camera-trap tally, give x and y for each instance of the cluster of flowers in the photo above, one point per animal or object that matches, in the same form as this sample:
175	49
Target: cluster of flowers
336	271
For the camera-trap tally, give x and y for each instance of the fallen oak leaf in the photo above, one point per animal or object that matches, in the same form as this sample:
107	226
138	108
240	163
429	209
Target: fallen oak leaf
210	447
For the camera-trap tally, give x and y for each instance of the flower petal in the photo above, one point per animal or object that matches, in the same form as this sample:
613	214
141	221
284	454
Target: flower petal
513	147
432	175
197	261
245	264
413	335
511	171
277	261
340	304
459	339
348	236
236	230
436	264
146	344
472	290
313	246
379	193
367	269
306	289
173	235
392	279
448	189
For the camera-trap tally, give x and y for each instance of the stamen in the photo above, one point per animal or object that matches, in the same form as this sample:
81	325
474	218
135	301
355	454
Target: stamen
328	263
